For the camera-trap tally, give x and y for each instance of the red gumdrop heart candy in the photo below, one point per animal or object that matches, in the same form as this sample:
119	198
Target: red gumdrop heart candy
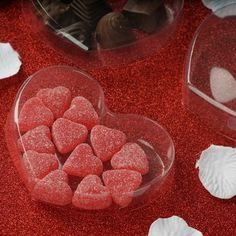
81	111
53	189
37	139
131	157
122	184
38	165
34	113
106	142
91	194
57	99
82	162
59	175
67	135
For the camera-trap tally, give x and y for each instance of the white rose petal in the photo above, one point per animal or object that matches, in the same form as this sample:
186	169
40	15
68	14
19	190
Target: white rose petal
223	85
221	8
217	171
217	4
9	61
173	226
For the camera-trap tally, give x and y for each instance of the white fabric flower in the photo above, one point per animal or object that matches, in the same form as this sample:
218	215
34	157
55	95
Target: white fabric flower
223	85
173	226
217	4
9	61
217	171
221	8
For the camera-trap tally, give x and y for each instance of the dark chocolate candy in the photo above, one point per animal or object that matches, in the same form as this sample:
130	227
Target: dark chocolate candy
113	31
146	7
67	18
67	1
55	13
90	11
146	15
59	15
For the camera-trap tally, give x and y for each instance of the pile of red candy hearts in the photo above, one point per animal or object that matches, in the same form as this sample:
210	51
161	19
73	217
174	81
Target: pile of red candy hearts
55	127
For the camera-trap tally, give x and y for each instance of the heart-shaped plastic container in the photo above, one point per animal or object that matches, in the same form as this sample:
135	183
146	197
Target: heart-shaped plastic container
154	139
212	53
143	45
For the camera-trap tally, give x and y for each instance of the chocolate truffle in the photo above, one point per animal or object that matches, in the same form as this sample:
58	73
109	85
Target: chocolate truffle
146	15
113	31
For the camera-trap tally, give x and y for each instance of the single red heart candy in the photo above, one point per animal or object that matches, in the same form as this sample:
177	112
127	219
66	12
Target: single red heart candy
91	194
34	113
57	99
106	142
122	184
82	162
37	139
58	175
38	165
81	111
52	190
131	157
67	135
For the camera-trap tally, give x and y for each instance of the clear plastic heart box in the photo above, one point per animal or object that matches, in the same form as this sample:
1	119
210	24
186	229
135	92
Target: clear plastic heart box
211	52
153	138
143	44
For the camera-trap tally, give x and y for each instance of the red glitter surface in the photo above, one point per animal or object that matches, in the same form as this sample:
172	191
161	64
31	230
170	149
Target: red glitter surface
151	87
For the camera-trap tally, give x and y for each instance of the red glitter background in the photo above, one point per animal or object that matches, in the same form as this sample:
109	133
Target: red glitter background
151	87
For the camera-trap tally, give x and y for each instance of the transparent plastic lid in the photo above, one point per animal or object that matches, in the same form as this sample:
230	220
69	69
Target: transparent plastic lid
210	85
104	33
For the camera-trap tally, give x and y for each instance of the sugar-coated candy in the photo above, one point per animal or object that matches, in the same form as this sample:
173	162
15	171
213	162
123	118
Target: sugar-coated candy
37	139
82	162
131	157
34	113
91	194
53	190
57	99
122	184
38	165
67	135
82	111
59	175
106	142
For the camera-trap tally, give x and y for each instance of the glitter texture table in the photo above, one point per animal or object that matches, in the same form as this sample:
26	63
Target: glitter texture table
151	87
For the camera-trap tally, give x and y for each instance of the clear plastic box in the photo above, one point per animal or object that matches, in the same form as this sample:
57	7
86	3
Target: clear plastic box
143	45
213	49
153	138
